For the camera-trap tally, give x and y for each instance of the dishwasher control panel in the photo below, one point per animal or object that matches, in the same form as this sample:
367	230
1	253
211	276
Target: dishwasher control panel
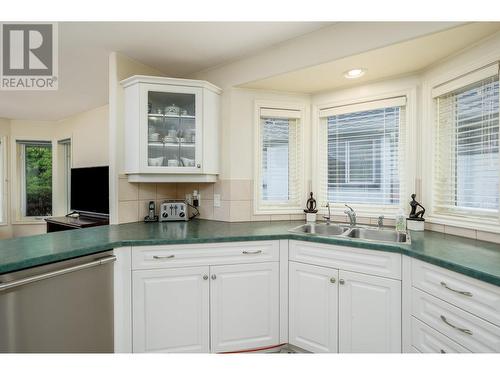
174	210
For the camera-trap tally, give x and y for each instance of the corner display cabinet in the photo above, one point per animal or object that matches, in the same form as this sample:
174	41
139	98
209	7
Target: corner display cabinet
171	129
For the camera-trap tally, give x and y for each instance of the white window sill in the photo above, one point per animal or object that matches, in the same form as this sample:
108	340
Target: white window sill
492	226
29	222
277	211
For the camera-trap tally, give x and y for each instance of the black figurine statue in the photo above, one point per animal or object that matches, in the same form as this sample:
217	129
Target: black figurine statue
414	215
311	205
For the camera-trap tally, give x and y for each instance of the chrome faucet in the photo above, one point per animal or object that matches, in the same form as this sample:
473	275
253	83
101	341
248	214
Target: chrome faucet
329	217
352	215
380	221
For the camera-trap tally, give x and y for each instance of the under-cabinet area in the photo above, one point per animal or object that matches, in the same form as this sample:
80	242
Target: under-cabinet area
314	297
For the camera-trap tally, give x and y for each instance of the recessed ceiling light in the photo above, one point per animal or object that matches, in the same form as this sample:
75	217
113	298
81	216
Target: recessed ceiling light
355	73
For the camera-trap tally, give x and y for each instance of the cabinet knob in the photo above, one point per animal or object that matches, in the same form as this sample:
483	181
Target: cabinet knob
198	165
214	277
341	281
332	280
205	277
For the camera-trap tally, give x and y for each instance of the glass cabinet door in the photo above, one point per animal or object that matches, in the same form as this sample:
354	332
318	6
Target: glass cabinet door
171	129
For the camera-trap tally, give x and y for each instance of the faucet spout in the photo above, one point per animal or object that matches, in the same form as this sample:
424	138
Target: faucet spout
351	214
329	217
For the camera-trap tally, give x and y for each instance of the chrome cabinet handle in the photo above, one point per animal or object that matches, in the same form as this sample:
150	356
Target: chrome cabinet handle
163	256
341	281
252	252
332	280
214	277
205	277
464	330
468	294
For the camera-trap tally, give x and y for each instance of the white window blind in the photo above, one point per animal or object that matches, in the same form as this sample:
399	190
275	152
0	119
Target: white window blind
467	159
363	156
280	165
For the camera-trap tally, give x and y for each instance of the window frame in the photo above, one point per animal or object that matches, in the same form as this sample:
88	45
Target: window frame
65	161
409	182
278	208
4	214
19	145
428	148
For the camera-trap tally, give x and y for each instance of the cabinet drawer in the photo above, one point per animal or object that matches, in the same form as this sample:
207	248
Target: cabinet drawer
166	256
373	262
477	297
427	340
475	334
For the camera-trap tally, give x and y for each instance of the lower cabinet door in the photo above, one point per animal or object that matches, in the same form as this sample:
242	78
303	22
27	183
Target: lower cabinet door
313	307
171	310
244	305
369	314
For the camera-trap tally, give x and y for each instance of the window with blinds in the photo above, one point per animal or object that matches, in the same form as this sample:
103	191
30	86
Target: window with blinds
364	153
280	160
466	180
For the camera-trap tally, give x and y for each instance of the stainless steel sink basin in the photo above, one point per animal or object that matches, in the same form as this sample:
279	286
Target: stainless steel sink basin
377	235
321	229
361	233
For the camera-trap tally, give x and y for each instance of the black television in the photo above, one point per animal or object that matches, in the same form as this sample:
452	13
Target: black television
90	190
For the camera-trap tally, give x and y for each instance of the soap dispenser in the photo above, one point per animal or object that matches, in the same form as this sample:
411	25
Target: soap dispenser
401	221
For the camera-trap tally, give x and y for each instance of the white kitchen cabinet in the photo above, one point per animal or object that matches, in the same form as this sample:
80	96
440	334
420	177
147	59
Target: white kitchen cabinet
171	129
313	307
244	306
369	313
192	307
171	310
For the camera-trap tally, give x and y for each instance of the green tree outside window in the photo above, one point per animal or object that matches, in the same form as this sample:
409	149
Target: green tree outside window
38	164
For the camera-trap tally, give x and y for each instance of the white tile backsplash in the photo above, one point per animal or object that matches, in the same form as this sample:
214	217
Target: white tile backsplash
237	205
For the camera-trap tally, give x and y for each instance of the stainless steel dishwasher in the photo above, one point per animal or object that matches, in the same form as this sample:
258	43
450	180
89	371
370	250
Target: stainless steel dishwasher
63	307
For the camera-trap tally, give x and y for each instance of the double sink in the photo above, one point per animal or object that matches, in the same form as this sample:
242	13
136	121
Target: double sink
357	232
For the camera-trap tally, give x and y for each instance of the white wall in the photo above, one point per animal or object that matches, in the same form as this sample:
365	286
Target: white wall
120	67
89	134
89	137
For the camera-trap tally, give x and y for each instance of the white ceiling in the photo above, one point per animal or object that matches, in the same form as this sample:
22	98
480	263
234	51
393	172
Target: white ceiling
382	63
177	49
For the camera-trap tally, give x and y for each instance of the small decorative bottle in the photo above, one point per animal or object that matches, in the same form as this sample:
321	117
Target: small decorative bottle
401	221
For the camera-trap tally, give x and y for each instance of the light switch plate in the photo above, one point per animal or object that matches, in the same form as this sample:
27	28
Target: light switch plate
216	200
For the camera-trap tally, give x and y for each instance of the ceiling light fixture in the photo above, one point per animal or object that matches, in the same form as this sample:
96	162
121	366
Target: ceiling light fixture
355	73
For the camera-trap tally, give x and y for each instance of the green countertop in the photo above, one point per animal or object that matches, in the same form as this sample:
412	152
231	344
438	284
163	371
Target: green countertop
477	259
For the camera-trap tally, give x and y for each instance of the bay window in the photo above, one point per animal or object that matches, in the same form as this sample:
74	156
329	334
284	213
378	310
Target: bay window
466	165
361	154
279	175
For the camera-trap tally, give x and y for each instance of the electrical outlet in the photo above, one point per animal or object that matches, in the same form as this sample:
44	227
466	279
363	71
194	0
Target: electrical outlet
189	198
216	200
